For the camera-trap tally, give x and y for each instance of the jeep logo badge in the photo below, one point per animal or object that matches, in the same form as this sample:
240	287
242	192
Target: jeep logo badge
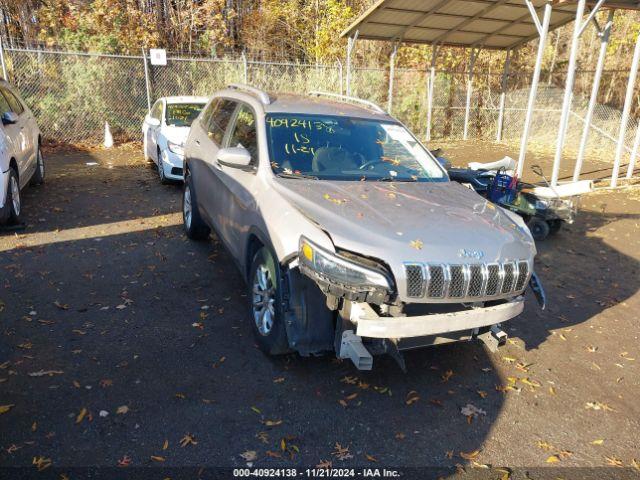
464	253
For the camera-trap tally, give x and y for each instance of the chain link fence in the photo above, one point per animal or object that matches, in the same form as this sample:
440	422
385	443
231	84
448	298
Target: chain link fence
74	94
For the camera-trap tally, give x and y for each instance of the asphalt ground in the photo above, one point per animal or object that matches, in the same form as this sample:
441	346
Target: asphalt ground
126	345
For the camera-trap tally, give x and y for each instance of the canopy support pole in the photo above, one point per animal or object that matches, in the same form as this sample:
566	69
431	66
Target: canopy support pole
503	95
431	80
351	43
626	110
147	81
604	35
392	71
543	30
568	90
467	110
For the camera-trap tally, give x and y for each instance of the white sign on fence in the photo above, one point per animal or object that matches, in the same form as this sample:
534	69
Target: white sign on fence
158	56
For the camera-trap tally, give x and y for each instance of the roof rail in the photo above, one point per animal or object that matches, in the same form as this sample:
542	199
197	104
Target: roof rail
261	94
366	103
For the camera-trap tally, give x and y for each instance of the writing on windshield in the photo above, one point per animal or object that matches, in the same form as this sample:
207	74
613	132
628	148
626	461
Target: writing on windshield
183	114
339	148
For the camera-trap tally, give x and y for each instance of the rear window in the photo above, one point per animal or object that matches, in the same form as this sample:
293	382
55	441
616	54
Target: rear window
183	114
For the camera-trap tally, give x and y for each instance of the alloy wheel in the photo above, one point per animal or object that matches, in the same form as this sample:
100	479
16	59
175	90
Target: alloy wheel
187	208
263	300
15	195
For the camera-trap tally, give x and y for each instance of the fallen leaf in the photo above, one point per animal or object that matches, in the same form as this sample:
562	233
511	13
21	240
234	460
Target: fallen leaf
6	408
81	415
597	442
42	373
272	423
417	244
124	461
249	455
470	455
122	410
412	397
614	461
156	458
165	445
371	458
553	459
256	409
188	439
41	463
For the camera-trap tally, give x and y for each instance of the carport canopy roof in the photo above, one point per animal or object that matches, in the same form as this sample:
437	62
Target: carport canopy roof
490	24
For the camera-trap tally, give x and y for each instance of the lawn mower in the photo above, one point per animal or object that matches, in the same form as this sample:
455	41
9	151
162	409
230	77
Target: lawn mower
544	207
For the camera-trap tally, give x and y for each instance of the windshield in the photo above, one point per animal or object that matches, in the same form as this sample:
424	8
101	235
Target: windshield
341	148
183	114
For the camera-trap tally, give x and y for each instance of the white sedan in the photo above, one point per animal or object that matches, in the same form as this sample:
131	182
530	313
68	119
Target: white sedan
21	160
165	129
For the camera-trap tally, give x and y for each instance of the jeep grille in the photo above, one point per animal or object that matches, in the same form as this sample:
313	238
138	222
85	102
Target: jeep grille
466	281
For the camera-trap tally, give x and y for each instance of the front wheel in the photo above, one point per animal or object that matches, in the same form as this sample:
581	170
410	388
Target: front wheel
38	175
265	294
12	210
539	228
161	174
194	226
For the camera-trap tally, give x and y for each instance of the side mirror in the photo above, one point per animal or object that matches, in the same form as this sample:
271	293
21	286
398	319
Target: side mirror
152	122
9	118
235	157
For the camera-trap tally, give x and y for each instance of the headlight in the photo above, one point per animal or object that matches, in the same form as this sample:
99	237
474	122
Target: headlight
542	204
175	148
330	267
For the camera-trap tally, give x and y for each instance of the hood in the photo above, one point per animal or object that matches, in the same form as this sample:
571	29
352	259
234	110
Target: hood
441	222
176	134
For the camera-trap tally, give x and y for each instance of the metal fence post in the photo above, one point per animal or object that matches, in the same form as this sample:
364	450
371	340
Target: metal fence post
351	43
467	109
4	66
543	30
245	69
568	91
392	71
147	81
628	100
431	80
604	42
503	95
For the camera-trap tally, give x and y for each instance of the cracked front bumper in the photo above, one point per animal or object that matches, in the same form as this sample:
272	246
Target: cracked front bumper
370	324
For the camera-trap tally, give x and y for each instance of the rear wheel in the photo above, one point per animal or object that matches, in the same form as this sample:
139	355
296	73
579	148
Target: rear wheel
539	228
12	210
265	294
38	176
194	226
554	226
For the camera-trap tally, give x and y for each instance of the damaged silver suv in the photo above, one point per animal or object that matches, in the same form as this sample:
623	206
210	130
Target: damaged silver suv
348	231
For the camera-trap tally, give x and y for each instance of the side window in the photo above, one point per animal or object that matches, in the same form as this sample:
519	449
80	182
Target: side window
4	105
14	103
156	111
219	120
208	111
244	132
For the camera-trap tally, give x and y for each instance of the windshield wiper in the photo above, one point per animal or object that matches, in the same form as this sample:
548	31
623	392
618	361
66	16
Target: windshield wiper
394	179
297	175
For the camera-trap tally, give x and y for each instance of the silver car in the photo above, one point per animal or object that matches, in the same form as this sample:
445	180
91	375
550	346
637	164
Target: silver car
21	160
348	231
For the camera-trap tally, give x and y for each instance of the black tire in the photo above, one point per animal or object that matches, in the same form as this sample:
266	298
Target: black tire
9	214
539	228
163	179
554	226
272	340
194	226
38	175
